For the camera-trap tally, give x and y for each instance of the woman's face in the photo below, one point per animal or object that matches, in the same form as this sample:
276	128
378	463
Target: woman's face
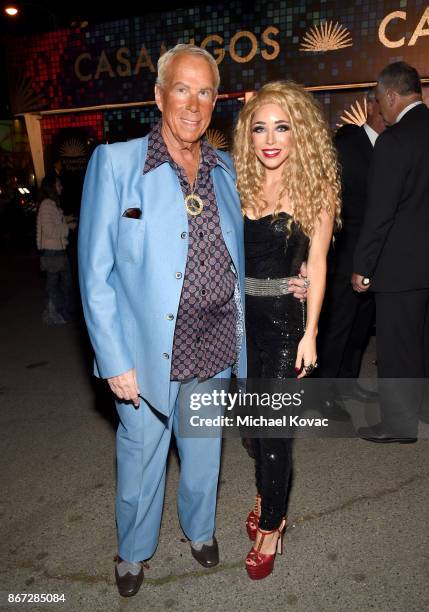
59	187
271	136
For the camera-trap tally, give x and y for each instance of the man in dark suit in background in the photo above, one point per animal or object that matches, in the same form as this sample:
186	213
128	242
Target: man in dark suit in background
348	315
392	254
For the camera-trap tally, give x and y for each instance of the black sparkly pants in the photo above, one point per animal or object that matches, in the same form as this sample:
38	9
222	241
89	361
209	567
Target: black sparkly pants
274	327
273	466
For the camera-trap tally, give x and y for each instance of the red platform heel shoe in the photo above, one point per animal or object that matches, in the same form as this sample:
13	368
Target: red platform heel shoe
260	565
252	520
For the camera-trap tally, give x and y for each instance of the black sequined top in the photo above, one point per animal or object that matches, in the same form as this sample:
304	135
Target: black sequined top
274	324
274	248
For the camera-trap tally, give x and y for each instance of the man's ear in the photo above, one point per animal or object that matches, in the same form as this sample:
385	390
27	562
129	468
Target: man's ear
391	96
158	97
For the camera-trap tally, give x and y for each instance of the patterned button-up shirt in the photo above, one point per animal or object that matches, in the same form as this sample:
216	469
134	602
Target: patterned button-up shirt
205	333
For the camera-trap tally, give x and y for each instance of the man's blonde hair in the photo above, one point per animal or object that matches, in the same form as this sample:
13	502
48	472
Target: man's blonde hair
185	49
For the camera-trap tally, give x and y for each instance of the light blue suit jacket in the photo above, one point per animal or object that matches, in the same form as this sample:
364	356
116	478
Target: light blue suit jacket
128	268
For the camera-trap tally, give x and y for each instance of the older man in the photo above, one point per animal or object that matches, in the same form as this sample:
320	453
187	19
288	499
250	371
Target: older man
392	252
161	274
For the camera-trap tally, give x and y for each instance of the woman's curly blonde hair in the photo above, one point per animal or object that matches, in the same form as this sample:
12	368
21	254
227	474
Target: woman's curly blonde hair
311	173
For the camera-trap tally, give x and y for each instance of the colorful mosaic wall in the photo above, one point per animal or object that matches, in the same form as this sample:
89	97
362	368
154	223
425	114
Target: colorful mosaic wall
323	42
91	122
124	124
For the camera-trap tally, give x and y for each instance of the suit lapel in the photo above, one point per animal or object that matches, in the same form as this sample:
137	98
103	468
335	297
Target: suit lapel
229	210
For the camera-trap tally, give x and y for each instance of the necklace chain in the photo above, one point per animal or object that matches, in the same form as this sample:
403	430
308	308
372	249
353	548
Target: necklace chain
193	203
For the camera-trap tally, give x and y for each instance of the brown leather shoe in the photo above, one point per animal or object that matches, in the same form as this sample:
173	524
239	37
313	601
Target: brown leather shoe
208	556
129	584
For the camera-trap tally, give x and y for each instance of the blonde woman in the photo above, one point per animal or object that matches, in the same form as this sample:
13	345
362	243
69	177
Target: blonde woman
288	182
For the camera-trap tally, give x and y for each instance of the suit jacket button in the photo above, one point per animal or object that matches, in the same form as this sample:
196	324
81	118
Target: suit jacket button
170	316
178	275
166	355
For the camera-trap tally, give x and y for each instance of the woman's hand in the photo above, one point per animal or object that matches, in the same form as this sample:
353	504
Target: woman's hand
306	355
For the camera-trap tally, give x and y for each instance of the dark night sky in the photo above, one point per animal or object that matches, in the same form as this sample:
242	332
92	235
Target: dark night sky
36	16
44	16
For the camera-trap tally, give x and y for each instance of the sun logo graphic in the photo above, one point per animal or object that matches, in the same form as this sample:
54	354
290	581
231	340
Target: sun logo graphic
326	37
216	139
73	148
355	114
23	97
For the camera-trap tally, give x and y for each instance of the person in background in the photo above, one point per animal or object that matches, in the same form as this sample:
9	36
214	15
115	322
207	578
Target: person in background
52	238
392	253
347	316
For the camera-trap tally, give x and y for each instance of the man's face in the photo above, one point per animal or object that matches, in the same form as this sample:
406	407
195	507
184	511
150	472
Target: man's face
187	99
375	118
387	100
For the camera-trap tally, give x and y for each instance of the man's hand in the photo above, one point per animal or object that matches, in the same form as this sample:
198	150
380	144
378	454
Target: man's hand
124	386
298	286
358	283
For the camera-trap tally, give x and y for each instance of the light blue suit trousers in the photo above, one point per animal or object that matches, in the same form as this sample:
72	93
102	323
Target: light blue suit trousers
142	443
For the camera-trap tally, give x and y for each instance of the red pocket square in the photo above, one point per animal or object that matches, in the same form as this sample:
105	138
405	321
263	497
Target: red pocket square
133	213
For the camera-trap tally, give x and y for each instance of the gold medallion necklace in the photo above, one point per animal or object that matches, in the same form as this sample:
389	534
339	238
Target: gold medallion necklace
193	202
